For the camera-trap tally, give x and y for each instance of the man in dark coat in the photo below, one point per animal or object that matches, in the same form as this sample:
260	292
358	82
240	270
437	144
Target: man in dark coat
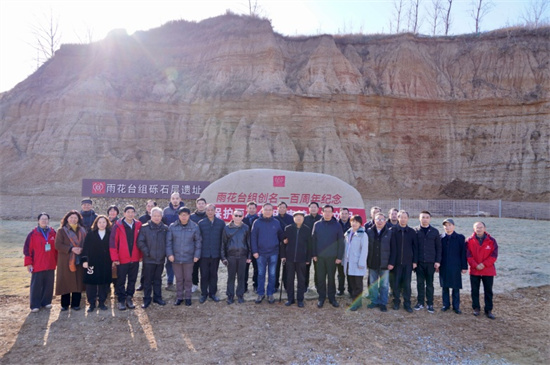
249	219
328	251
211	231
403	259
429	259
453	263
87	213
197	216
285	219
377	262
309	221
152	243
296	253
346	224
144	219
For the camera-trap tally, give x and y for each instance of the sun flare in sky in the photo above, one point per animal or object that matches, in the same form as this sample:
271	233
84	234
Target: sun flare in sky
80	21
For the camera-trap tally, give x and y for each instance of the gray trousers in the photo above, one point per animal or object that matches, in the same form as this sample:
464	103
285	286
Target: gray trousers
42	288
184	278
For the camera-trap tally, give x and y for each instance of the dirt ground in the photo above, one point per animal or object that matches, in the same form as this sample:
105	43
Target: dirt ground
250	333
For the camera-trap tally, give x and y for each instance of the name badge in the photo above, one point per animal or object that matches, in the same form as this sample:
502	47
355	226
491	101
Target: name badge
48	247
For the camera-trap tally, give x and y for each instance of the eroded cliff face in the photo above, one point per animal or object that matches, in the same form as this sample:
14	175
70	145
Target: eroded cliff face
463	117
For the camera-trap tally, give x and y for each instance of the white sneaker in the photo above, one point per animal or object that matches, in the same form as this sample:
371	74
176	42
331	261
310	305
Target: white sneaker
48	306
35	310
194	288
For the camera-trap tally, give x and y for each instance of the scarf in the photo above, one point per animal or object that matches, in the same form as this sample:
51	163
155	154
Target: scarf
76	241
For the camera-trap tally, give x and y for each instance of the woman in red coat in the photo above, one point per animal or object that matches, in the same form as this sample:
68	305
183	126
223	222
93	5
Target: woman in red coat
482	253
41	260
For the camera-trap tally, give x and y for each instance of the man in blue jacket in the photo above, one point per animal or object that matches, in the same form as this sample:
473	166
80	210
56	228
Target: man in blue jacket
328	251
266	238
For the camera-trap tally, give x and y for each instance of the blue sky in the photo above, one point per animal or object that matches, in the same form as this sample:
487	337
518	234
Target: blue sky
289	17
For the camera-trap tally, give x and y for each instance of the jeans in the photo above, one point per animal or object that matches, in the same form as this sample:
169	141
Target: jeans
425	282
269	262
169	272
475	282
379	286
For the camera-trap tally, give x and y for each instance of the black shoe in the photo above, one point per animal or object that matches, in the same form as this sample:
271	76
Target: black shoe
259	299
230	300
103	307
418	306
490	315
202	299
372	305
354	307
431	309
130	303
159	301
63	309
300	304
77	308
395	307
121	306
340	293
289	303
240	300
457	311
409	309
215	298
320	304
146	304
444	309
139	288
188	302
476	312
334	303
178	302
383	308
90	309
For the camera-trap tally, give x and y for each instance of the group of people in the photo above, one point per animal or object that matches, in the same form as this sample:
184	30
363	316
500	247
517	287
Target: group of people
90	252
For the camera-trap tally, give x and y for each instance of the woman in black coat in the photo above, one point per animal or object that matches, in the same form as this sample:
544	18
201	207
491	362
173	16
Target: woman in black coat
97	262
453	264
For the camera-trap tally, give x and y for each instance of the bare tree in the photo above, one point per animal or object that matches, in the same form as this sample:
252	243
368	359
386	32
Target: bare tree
47	37
87	35
447	20
480	8
397	16
534	13
414	23
254	9
435	14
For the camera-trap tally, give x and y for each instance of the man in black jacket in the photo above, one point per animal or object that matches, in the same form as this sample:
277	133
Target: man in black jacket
328	251
377	262
152	243
144	219
429	259
87	213
296	252
403	259
211	232
346	224
285	219
235	254
197	216
249	219
309	221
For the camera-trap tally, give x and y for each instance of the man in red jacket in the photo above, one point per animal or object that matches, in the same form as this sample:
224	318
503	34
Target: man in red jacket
126	255
482	253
